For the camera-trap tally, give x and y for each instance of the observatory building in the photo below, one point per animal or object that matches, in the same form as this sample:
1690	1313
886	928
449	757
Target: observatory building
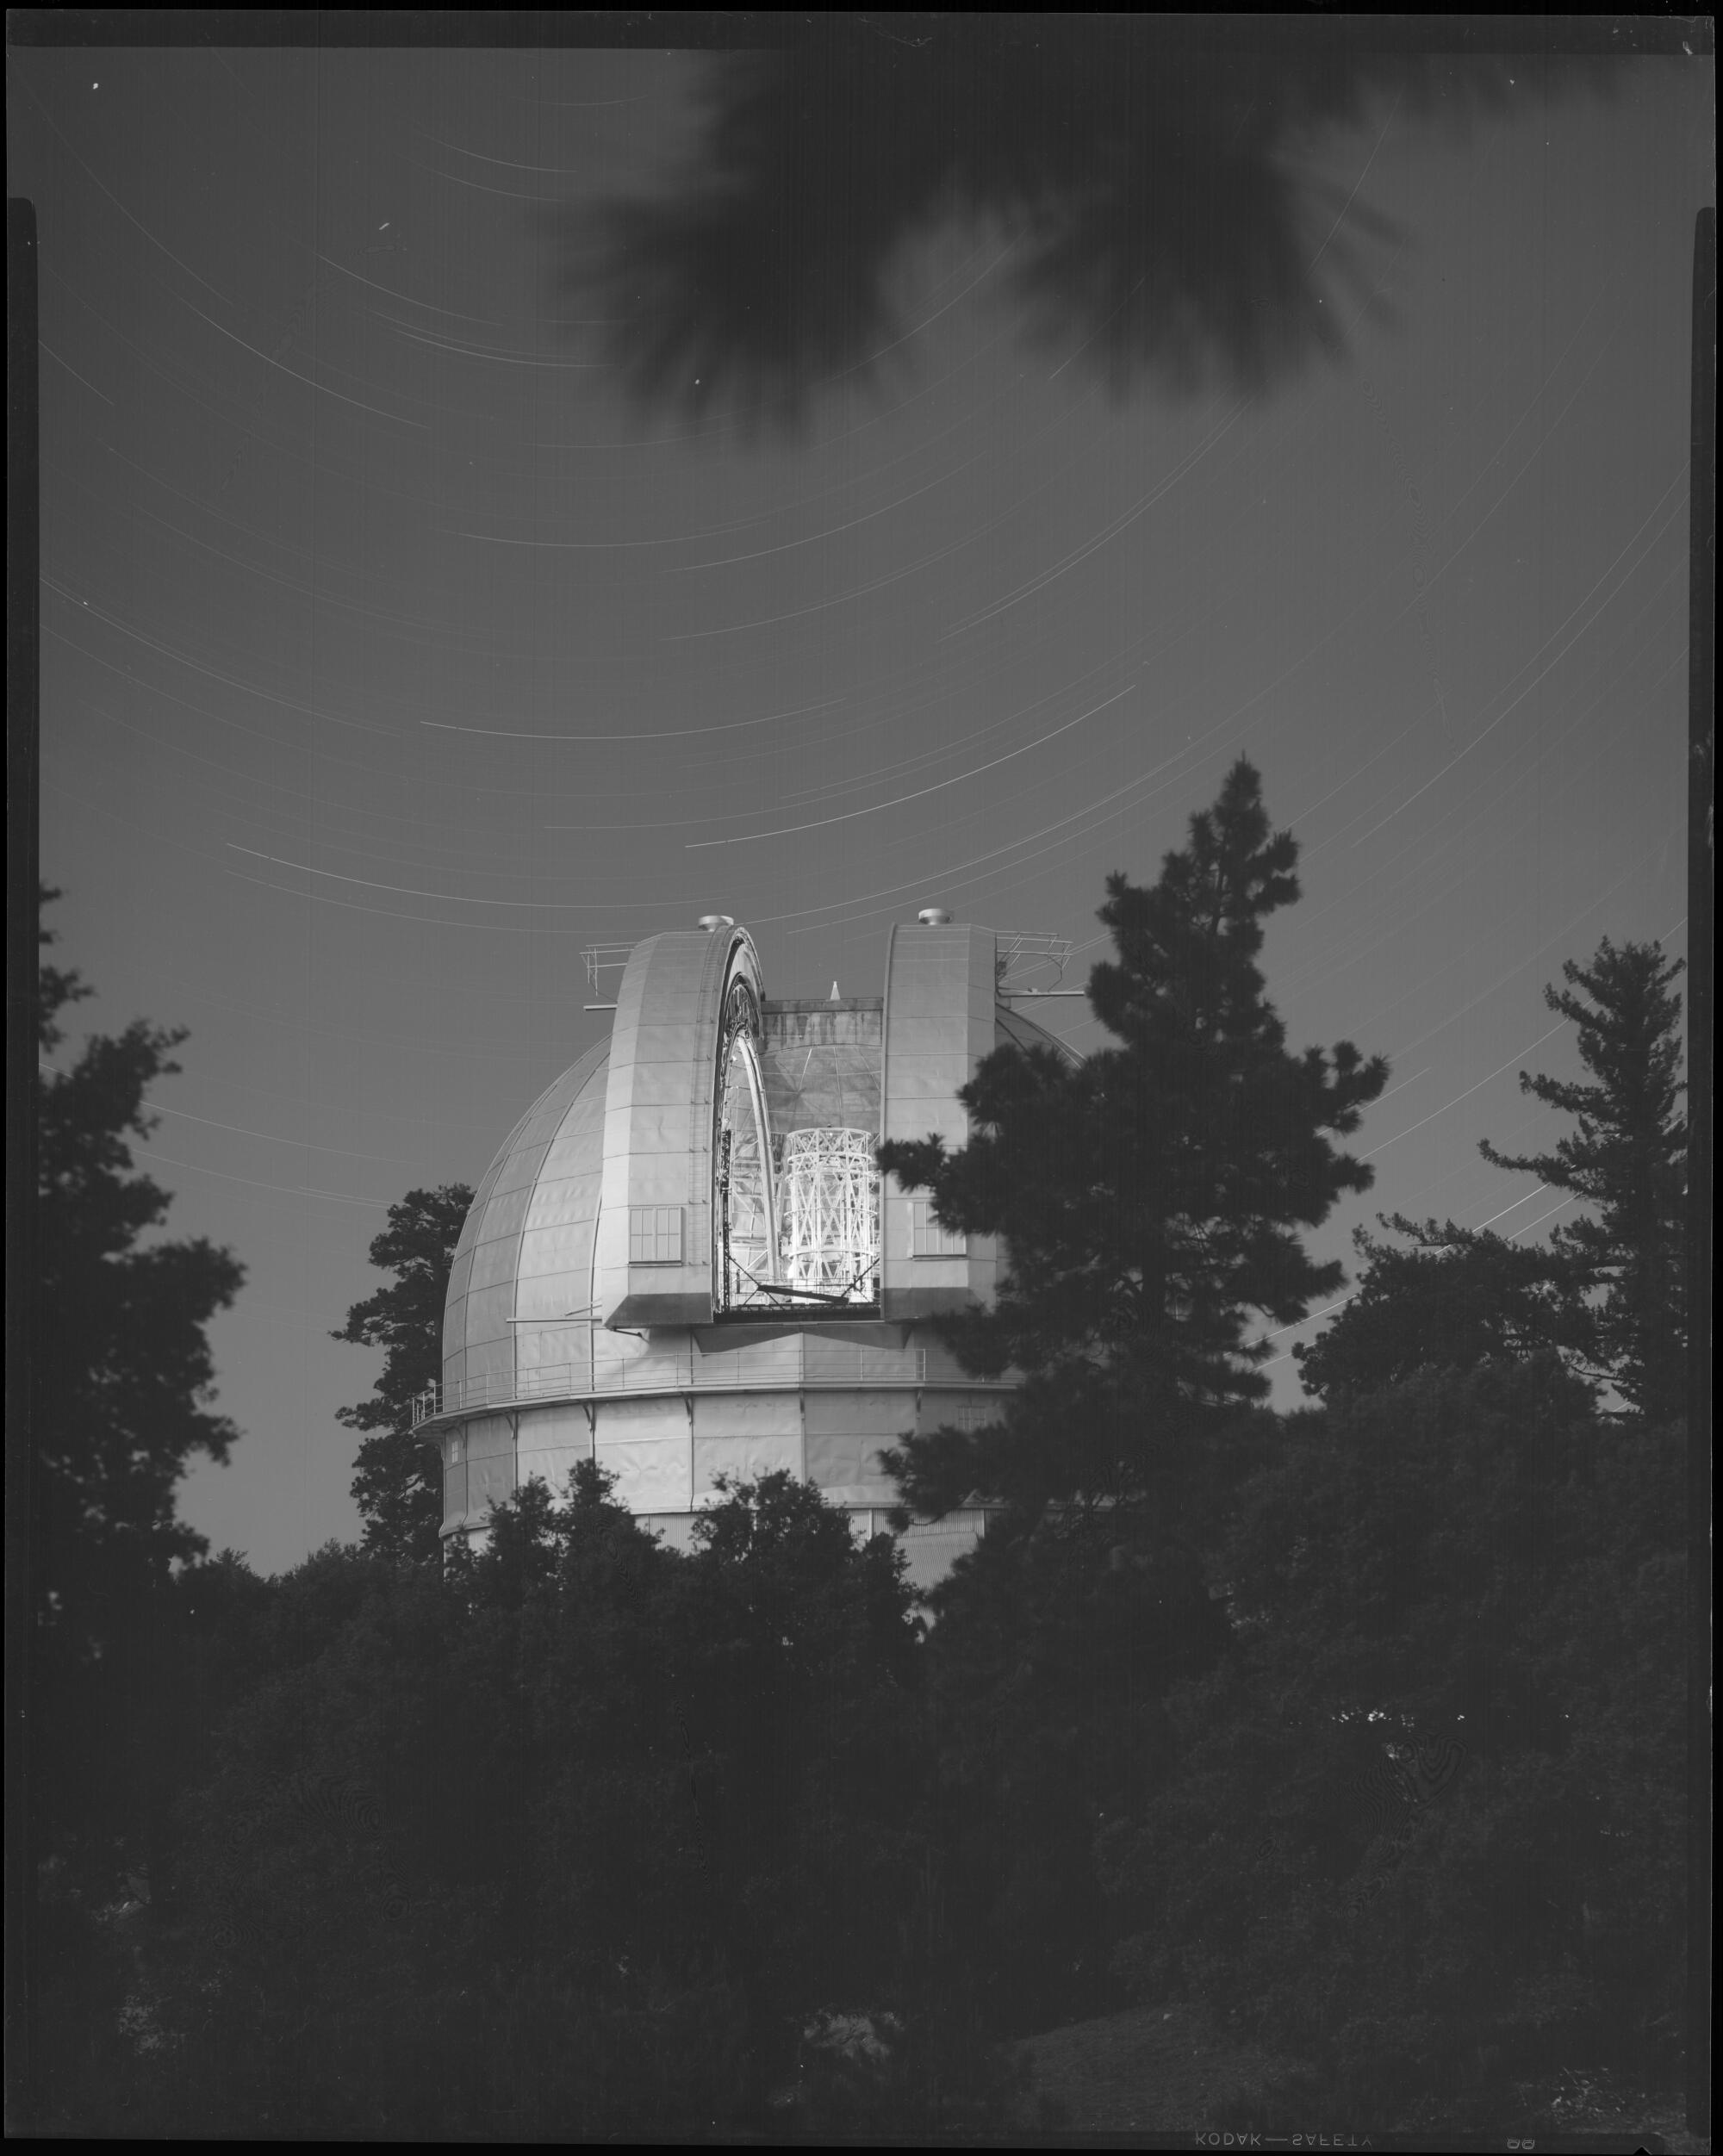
684	1262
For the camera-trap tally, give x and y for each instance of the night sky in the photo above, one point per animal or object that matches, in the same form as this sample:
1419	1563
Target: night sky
389	659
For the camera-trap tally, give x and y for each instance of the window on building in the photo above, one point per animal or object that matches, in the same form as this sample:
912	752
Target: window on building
927	1238
655	1234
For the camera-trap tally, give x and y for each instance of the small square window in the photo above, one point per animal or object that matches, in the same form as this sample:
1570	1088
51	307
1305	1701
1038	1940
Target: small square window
655	1234
927	1238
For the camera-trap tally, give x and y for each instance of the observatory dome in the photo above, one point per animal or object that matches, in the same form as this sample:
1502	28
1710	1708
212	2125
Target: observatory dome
683	1262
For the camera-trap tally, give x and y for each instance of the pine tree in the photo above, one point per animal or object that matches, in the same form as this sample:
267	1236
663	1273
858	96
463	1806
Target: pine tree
1147	162
123	1366
1626	1161
1149	1202
1457	1297
398	1485
121	1402
1476	1563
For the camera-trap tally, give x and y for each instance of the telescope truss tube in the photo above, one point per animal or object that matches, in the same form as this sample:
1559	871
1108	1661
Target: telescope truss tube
828	1197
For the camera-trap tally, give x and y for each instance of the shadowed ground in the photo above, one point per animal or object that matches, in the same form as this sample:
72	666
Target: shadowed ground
1168	2069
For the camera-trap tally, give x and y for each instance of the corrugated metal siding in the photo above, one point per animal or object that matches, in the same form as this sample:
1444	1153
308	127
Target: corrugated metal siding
647	1445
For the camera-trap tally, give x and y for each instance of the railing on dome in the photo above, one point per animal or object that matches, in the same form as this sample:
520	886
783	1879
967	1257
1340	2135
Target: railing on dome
603	957
837	1367
1018	952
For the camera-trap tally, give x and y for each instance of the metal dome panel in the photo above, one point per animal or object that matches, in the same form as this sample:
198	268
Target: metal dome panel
478	1336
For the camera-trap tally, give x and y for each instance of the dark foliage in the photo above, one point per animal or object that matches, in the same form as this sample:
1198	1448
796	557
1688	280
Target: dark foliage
123	1370
121	1392
1457	1297
1156	176
1050	1662
1475	1564
1148	1202
121	1402
572	1840
398	1487
1627	1162
580	1839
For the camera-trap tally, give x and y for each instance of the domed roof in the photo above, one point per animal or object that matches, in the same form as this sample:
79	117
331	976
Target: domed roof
521	1288
526	1249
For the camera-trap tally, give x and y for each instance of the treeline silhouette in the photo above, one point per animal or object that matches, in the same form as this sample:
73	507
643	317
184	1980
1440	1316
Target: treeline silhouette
1360	1729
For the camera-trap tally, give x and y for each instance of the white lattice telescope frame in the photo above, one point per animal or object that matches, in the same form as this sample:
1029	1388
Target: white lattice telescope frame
829	1211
